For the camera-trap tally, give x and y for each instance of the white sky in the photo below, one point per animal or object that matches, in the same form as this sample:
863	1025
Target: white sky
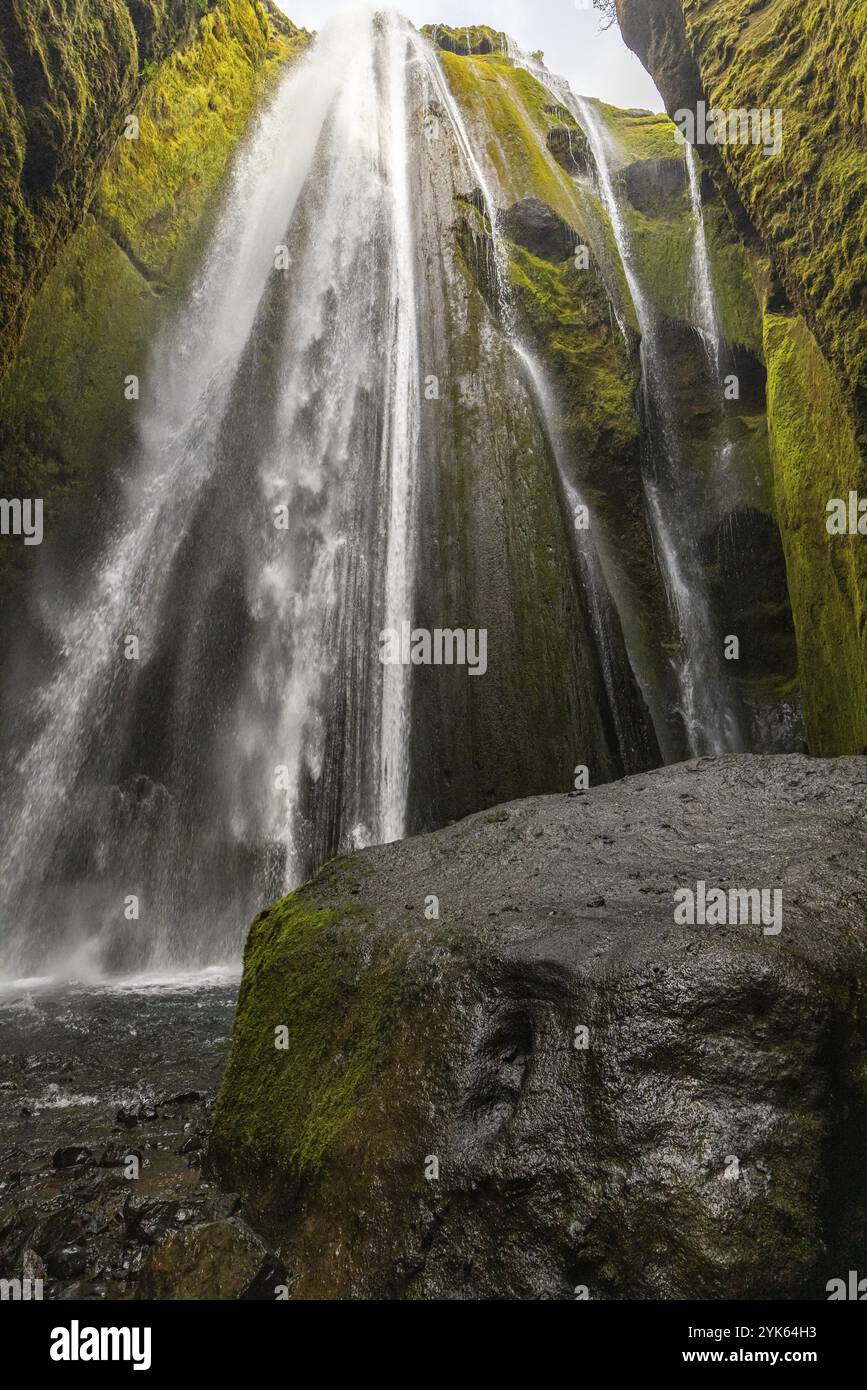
596	64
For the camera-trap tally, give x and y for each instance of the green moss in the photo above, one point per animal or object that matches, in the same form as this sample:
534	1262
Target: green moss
740	307
815	458
64	419
289	1105
638	134
807	204
662	251
69	75
153	192
505	107
569	320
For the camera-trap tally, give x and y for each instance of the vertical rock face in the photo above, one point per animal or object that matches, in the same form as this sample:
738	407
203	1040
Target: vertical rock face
544	1084
802	212
69	74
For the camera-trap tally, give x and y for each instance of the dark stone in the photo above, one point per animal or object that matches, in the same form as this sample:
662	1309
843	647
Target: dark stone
571	149
117	1156
610	1166
220	1260
74	1156
150	1218
653	186
533	225
130	1116
67	1262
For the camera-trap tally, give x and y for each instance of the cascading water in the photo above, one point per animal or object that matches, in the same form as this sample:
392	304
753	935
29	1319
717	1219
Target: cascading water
266	534
708	710
711	720
596	578
706	306
213	719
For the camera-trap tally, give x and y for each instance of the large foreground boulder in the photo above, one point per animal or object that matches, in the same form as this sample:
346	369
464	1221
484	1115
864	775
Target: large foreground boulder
554	1088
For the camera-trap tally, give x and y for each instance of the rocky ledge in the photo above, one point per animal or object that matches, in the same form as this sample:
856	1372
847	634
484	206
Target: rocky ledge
492	1062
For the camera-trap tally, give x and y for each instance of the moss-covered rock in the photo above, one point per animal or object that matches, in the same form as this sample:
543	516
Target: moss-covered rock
69	76
307	1108
540	1086
216	1260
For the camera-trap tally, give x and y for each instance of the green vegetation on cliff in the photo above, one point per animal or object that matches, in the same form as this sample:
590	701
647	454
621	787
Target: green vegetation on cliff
63	418
155	188
70	74
473	39
511	114
815	459
803	212
808	203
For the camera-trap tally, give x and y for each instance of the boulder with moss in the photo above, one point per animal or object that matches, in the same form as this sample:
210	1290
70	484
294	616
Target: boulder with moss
491	1063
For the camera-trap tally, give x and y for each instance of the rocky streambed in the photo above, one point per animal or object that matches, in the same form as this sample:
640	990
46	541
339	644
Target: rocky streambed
106	1097
497	1061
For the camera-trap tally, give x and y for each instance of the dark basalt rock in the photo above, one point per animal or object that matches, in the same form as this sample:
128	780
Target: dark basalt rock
654	185
436	1126
570	148
73	1156
533	225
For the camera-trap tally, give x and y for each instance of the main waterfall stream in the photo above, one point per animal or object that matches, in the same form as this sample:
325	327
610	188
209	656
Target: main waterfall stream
266	530
211	719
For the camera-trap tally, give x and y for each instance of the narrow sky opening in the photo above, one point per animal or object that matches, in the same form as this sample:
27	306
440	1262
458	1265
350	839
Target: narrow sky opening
596	62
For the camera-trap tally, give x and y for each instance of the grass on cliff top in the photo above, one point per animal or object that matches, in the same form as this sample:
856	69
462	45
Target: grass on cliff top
470	39
639	134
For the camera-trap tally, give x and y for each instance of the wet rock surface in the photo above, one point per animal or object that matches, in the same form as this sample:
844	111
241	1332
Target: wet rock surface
218	1260
553	1085
533	225
106	1099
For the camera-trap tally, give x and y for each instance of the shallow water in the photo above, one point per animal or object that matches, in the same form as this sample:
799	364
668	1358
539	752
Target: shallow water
74	1057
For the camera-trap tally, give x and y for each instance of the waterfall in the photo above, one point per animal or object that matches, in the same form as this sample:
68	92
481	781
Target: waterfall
708	707
705	299
597	575
211	719
266	534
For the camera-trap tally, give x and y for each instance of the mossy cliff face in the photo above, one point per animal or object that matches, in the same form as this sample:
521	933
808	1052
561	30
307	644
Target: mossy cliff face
816	458
452	1072
494	544
64	419
69	76
803	216
724	443
565	315
535	157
